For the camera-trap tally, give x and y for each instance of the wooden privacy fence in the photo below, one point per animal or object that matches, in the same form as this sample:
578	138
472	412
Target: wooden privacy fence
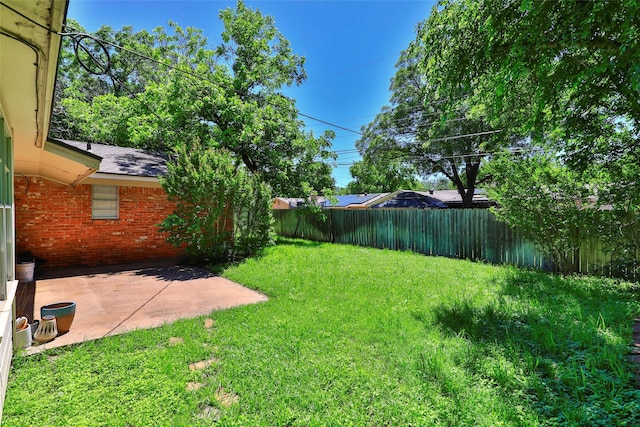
456	233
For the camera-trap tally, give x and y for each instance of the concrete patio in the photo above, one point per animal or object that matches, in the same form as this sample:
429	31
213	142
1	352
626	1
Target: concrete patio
118	299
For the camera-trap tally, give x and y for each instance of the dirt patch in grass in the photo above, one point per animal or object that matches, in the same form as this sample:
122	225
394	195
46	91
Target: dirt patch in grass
193	386
175	340
226	398
203	364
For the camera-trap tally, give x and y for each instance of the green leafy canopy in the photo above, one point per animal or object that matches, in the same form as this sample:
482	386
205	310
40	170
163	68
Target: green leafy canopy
168	88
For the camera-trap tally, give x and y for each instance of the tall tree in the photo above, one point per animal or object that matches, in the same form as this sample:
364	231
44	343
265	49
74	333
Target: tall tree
435	129
563	75
554	71
230	97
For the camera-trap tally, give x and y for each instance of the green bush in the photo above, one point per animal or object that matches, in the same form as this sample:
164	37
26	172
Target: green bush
222	212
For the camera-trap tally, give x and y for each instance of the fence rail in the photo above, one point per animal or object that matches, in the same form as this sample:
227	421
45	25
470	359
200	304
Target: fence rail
456	233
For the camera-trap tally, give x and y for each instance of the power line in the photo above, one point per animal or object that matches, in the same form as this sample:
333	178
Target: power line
469	135
165	64
411	130
78	37
447	138
349	119
203	78
186	72
408	119
455	156
330	124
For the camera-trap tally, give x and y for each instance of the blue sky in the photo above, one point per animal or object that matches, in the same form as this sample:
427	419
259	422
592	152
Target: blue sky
351	48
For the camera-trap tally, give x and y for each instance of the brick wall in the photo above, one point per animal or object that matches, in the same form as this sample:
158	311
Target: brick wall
53	222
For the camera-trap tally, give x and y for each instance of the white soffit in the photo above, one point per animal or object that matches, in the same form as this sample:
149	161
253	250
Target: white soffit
29	48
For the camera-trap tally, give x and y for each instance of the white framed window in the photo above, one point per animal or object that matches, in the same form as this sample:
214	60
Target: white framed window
104	202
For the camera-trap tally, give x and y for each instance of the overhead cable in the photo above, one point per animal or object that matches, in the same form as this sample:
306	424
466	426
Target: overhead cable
454	156
189	73
329	123
28	18
79	36
101	43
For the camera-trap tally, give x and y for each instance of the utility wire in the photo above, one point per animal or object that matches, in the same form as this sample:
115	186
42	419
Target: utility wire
101	43
29	19
182	70
408	119
203	78
453	156
447	138
330	124
189	73
469	135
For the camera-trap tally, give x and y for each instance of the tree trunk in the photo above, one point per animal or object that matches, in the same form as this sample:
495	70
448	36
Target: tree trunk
472	175
466	191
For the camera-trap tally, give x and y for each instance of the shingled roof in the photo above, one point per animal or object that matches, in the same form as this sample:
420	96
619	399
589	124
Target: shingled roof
125	160
412	199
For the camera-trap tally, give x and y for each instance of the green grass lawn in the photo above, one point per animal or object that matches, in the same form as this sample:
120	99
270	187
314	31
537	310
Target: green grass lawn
357	337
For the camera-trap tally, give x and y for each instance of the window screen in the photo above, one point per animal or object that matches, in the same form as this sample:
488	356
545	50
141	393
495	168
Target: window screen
104	202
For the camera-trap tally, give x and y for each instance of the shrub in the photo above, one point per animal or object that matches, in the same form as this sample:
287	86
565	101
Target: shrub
222	212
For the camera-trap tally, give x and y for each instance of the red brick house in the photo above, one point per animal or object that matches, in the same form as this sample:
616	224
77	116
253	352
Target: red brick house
110	217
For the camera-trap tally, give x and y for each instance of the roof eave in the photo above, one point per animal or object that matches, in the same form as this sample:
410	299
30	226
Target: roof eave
101	178
74	154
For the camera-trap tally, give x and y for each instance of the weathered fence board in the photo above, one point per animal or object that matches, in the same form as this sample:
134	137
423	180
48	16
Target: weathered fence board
456	233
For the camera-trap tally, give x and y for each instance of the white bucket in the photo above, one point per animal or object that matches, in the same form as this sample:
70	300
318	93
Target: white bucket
23	338
24	271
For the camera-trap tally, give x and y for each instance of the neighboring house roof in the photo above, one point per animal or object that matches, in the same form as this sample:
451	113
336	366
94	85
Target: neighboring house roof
438	199
289	201
353	200
124	165
411	199
452	197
